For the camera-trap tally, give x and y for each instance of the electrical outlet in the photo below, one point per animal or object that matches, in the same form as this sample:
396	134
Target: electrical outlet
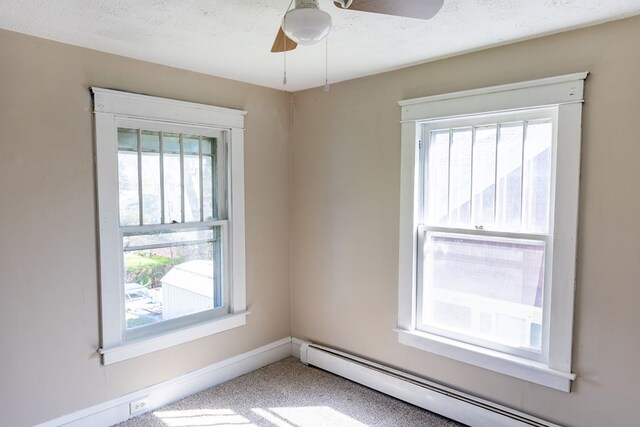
138	406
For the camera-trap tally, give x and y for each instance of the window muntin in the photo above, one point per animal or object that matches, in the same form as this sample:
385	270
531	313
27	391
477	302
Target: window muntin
484	230
171	229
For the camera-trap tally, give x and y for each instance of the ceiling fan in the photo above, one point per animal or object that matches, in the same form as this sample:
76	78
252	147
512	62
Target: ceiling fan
306	24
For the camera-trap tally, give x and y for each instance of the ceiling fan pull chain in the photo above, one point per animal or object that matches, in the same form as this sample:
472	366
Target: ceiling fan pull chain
326	63
284	42
284	78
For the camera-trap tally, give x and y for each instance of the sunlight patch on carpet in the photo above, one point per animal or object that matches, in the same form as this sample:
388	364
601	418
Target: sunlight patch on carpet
202	417
307	416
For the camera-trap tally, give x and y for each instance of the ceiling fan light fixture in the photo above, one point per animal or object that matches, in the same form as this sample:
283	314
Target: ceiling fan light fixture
306	24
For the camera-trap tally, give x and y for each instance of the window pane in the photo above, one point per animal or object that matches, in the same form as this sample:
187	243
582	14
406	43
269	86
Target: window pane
150	146
485	288
208	146
191	178
167	282
128	177
172	185
209	178
460	177
191	145
537	176
127	139
437	197
484	172
509	185
150	141
137	240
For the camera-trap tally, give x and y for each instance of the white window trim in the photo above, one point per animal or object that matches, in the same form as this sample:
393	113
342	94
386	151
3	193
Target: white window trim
566	94
110	108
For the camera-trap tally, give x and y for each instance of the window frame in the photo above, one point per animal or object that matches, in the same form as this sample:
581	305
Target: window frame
114	109
489	229
564	94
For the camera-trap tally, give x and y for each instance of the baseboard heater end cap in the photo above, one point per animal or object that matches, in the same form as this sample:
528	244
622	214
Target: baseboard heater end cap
304	349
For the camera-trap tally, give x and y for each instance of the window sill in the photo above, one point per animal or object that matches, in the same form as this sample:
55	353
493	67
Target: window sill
153	343
518	367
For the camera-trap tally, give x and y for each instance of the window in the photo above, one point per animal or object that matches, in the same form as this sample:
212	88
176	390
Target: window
171	212
488	226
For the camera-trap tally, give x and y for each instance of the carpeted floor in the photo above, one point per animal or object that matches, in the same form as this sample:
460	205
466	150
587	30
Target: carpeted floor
289	394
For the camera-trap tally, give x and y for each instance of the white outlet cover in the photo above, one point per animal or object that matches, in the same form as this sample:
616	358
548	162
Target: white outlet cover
139	406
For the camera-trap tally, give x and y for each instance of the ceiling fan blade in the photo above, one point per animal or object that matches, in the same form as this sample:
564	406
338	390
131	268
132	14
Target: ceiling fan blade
283	42
420	9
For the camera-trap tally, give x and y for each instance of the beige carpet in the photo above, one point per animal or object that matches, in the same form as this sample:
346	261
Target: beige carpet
289	394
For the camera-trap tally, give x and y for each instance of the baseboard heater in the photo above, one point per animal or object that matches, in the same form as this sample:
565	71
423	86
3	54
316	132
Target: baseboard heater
428	395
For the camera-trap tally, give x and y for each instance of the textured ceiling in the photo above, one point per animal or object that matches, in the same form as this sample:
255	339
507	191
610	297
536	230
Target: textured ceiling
232	38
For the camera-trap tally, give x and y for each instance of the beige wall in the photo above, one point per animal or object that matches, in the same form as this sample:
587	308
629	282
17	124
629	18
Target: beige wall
49	329
346	159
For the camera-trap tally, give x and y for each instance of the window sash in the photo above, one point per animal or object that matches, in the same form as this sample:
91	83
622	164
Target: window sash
194	318
473	122
220	168
547	239
424	225
218	180
218	239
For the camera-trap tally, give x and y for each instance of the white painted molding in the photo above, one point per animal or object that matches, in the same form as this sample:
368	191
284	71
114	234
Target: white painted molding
117	410
509	97
147	345
514	366
569	135
236	206
150	107
425	394
498	88
409	207
415	390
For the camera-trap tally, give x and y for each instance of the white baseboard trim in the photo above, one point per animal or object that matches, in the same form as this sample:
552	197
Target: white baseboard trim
117	410
431	396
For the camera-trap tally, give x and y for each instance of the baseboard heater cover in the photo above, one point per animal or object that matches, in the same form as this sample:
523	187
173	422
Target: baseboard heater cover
425	394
